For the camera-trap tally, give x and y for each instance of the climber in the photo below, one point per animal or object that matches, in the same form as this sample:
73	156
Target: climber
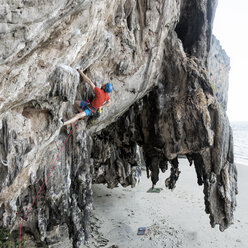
88	109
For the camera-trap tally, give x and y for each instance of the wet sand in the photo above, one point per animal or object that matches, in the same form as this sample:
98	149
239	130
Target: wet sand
172	218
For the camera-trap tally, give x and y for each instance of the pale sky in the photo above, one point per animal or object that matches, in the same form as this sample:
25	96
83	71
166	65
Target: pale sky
231	29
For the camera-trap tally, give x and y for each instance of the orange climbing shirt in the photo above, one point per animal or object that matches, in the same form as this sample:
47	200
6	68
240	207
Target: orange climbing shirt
100	98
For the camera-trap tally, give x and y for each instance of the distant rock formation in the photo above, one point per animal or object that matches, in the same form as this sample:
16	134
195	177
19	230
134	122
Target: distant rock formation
163	104
219	67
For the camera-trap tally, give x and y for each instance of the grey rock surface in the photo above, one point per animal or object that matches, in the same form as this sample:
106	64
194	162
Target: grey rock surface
162	104
219	67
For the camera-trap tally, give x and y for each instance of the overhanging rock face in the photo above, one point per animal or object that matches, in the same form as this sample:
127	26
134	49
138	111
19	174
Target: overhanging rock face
179	116
162	101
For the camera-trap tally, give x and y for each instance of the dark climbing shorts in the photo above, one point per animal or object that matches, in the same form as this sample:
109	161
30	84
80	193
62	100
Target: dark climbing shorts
86	109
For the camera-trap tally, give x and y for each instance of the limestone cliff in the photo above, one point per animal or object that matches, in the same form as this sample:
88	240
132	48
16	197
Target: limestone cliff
155	53
219	67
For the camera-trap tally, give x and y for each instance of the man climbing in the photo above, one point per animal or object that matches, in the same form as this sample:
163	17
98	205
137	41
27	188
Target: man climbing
101	100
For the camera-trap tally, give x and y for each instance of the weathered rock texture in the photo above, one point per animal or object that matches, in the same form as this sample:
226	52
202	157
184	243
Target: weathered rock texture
219	67
156	57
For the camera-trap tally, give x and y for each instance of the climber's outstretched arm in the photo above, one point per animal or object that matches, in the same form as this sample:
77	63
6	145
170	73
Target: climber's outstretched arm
86	79
106	103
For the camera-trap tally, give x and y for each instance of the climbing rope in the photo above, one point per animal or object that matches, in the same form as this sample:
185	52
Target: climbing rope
20	235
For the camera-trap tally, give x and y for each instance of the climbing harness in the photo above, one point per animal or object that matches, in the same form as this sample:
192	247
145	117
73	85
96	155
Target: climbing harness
93	110
20	235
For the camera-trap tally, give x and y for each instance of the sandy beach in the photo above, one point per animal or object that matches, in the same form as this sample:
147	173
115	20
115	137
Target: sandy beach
172	218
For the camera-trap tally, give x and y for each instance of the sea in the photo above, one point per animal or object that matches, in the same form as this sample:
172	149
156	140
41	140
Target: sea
240	140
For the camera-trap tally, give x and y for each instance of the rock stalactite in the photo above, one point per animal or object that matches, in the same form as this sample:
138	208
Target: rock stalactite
156	55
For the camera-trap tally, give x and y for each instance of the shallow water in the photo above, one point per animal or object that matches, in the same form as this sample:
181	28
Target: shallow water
240	139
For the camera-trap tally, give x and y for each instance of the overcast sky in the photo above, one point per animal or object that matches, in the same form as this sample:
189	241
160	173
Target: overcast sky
231	28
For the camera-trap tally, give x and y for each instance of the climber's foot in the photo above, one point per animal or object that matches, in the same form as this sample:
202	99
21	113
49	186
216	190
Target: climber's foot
62	122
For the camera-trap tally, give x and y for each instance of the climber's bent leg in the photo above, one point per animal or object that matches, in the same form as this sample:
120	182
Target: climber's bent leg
76	117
